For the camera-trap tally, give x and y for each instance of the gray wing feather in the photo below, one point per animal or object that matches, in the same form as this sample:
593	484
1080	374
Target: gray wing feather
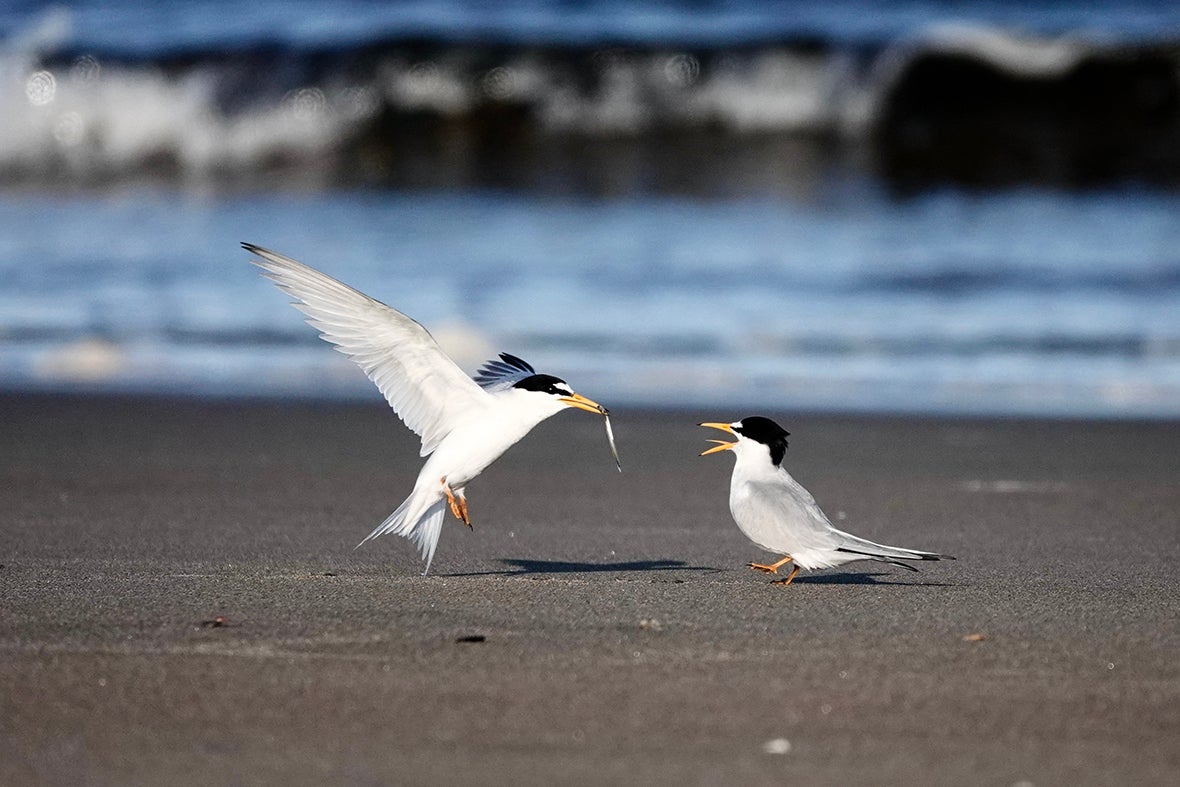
803	526
794	522
500	375
422	385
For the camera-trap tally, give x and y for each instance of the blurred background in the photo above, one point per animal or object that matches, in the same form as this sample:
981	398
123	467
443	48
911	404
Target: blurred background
963	207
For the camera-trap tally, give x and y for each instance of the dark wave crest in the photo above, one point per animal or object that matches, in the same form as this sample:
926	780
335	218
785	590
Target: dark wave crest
963	104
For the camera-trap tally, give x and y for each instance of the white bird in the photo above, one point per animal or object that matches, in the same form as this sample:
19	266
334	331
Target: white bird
465	424
780	516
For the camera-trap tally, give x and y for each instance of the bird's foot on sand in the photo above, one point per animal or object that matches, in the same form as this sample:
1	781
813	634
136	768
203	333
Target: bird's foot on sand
787	581
773	567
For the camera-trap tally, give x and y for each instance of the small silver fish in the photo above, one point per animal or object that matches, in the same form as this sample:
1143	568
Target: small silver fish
610	435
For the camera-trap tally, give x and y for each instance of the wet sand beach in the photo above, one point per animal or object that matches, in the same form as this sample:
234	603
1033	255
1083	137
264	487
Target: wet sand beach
182	604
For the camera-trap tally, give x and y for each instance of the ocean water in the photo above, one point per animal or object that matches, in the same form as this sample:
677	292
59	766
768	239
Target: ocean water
735	205
172	26
952	302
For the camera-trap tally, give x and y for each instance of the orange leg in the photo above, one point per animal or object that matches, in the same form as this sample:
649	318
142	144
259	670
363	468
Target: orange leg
773	567
787	581
458	503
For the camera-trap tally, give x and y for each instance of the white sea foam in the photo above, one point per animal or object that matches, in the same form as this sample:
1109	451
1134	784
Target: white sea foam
95	120
87	360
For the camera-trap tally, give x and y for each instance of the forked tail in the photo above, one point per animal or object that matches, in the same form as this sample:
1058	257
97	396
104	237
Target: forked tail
418	518
855	545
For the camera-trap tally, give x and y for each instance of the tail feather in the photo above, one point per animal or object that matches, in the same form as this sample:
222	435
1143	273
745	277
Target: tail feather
855	545
906	566
417	519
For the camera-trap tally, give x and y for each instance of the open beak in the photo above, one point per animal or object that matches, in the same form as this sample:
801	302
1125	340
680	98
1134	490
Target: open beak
722	445
582	403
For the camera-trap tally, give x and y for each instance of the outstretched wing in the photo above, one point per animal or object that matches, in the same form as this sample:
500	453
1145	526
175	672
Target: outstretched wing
422	385
504	373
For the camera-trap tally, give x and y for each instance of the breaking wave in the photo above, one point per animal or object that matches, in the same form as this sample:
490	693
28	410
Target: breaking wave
472	102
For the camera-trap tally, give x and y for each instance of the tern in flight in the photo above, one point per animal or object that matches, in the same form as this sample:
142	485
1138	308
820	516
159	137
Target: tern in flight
465	423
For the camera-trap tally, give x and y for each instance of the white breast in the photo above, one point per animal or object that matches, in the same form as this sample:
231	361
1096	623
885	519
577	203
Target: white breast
481	439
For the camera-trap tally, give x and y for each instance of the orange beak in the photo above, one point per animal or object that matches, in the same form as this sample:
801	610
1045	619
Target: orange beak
582	403
722	445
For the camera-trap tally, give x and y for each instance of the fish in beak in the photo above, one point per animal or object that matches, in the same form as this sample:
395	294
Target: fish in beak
591	406
722	445
582	403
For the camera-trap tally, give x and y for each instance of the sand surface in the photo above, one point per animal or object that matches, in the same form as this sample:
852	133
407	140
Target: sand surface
180	603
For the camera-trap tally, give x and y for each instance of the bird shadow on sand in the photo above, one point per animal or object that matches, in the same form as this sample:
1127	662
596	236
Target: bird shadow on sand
864	578
522	567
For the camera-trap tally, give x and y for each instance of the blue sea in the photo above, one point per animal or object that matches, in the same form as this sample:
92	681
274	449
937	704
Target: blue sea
954	208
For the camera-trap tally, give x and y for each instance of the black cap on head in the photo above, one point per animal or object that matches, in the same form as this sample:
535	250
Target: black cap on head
544	383
767	432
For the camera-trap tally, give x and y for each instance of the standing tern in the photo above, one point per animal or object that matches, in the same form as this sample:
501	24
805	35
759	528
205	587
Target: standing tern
465	424
779	515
